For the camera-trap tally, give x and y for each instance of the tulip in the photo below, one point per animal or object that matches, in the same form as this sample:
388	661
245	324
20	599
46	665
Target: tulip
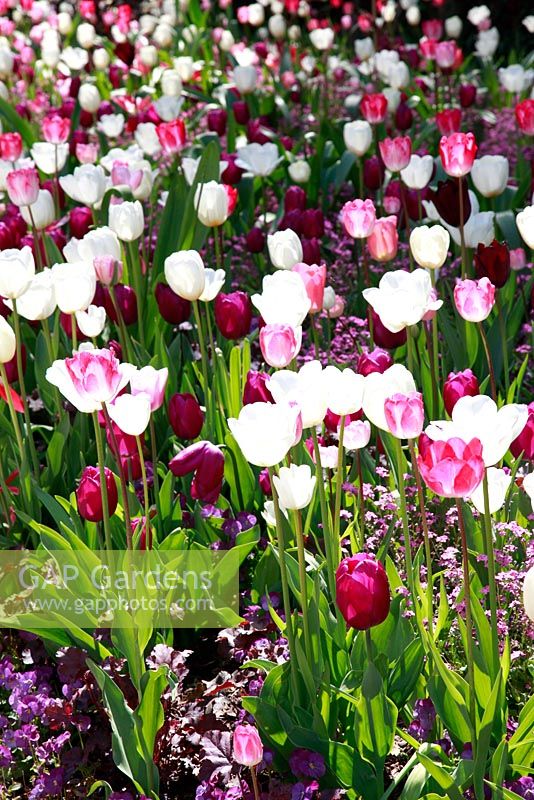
447	201
185	415
294	486
248	749
405	414
445	54
402	298
280	344
127	220
171	136
396	153
457	385
356	435
92	321
528	587
453	467
344	390
498	484
474	299
74	286
151	382
8	342
362	591
233	314
39	300
245	79
403	117
322	38
171	83
379	386
87	184
358	136
430	245
211	203
294	198
285	249
10	146
108	270
90	378
258	159
359	218
524	114
207	462
384	337
525	224
265	432
50	158
255	240
307	388
185	274
314	278
384	239
490	175
213	283
40	214
457	153
518	259
467	94
125	302
89	494
515	78
131	413
17	269
23	186
80	220
256	390
373	173
524	443
173	308
299	171
493	262
375	361
89	98
418	172
374	108
283	300
479	416
479	229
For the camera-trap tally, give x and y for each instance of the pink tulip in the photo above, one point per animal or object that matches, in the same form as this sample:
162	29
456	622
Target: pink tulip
56	129
474	299
122	175
171	136
207	462
86	153
248	748
374	108
314	278
445	54
108	270
152	382
518	258
337	309
384	240
452	468
10	146
405	415
457	153
280	344
359	217
90	378
23	186
396	152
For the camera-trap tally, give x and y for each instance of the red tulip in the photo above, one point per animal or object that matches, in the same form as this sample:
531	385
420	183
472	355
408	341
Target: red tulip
452	468
207	462
362	591
233	314
185	415
89	495
457	385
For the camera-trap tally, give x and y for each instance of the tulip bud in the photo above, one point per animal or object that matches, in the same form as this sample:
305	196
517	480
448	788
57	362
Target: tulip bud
173	308
373	173
207	462
457	385
362	591
490	175
211	203
233	314
80	221
217	119
185	416
89	494
299	171
294	486
376	360
467	94
126	300
248	748
446	198
280	344
493	262
256	390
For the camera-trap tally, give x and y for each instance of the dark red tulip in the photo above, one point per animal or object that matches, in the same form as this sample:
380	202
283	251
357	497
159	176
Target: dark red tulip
493	262
173	309
294	198
468	95
185	415
232	173
311	251
384	337
457	385
331	420
255	240
446	198
80	221
403	117
449	121
525	441
207	462
89	495
241	112
233	314
312	223
362	591
376	360
256	390
373	173
217	119
126	301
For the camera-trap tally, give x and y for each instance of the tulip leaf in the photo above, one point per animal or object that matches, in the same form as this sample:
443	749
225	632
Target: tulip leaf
17	122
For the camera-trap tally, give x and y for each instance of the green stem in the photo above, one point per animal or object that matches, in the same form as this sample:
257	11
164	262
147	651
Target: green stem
409	350
73	332
135	266
406	527
434	372
330	564
303	584
255	786
504	341
103	484
122	480
424	521
462	235
14	419
148	539
203	354
488	359
491	576
361	501
20	371
339	485
284	581
469	625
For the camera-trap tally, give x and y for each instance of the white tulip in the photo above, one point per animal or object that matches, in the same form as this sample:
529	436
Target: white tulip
402	298
89	97
17	268
322	38
131	412
294	486
171	83
147	138
127	220
306	388
258	159
299	171
86	35
148	55
498	484
379	386
283	300
357	434
525	224
515	78
111	125
213	283
74	286
87	184
50	158
430	245
418	173
490	175
42	211
265	432
8	341
101	58
211	203
358	136
285	249
364	48
345	389
39	300
185	274
453	27
92	321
